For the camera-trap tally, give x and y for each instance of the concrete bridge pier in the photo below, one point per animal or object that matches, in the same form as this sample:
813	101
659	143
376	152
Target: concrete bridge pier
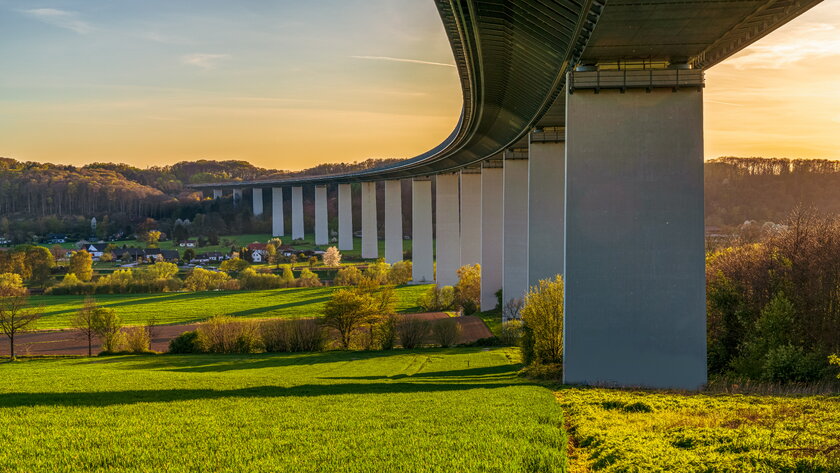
492	237
322	234
370	243
217	193
422	257
546	199
237	197
470	216
257	197
277	224
515	227
448	228
393	222
635	291
345	217
297	213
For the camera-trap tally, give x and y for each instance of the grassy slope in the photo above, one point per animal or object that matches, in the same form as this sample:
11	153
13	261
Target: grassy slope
454	410
621	431
180	307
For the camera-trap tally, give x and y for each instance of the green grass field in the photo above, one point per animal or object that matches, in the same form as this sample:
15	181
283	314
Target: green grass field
453	410
624	431
187	307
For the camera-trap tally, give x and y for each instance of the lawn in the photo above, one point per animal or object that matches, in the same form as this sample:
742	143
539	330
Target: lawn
445	410
187	307
625	431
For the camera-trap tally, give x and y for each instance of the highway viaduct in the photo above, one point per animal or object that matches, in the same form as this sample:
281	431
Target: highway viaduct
579	151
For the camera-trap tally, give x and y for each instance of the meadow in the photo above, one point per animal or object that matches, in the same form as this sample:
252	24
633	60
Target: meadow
627	431
441	410
189	307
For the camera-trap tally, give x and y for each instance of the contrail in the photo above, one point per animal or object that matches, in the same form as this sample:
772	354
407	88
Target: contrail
396	59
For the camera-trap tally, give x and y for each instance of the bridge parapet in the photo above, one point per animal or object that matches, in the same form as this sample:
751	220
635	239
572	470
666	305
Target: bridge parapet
623	80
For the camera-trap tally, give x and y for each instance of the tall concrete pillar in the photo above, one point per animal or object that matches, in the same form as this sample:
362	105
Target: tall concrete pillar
422	257
277	224
370	243
322	236
448	228
546	204
635	292
237	196
393	222
345	217
297	213
471	216
492	182
515	252
257	197
217	193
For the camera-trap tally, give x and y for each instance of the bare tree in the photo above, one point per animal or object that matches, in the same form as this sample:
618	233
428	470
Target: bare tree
512	309
14	316
83	321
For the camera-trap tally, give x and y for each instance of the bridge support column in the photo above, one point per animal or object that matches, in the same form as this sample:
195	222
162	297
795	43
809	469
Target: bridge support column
370	243
635	291
492	237
322	236
237	197
277	224
515	252
422	257
257	197
217	193
448	228
470	216
393	222
297	213
546	196
345	217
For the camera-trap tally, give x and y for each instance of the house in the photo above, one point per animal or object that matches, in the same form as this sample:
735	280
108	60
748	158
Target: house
187	244
56	238
259	252
211	256
147	254
95	251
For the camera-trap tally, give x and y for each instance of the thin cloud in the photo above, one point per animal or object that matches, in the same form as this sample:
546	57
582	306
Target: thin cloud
60	18
204	61
397	59
806	42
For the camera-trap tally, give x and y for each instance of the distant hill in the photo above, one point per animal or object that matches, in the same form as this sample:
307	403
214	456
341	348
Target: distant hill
41	198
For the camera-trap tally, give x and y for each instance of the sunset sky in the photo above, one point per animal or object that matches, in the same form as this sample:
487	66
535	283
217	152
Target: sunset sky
288	84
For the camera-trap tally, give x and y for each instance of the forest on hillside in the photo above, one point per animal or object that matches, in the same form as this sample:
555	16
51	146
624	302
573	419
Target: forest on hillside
38	199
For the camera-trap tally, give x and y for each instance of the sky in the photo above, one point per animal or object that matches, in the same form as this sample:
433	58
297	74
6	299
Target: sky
289	84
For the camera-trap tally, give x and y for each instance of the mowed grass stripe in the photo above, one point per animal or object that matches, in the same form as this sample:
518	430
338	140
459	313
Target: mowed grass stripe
465	410
188	307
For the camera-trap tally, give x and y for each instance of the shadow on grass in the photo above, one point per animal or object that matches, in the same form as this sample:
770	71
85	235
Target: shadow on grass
484	372
113	398
260	310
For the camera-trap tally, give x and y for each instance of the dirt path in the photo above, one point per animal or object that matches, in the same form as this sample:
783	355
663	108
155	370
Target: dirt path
71	342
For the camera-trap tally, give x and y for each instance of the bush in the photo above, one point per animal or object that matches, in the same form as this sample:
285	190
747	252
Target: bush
437	299
348	310
412	331
468	289
789	363
348	276
251	280
400	273
137	340
233	265
204	280
308	279
834	360
223	334
386	332
378	271
288	276
446	332
542	317
187	342
107	325
511	333
292	335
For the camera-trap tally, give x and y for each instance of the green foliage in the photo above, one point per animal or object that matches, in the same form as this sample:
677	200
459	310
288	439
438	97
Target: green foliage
347	311
542	316
187	342
348	276
107	325
81	265
251	280
437	299
204	280
222	334
400	273
618	431
288	276
293	335
233	265
308	279
468	289
378	271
